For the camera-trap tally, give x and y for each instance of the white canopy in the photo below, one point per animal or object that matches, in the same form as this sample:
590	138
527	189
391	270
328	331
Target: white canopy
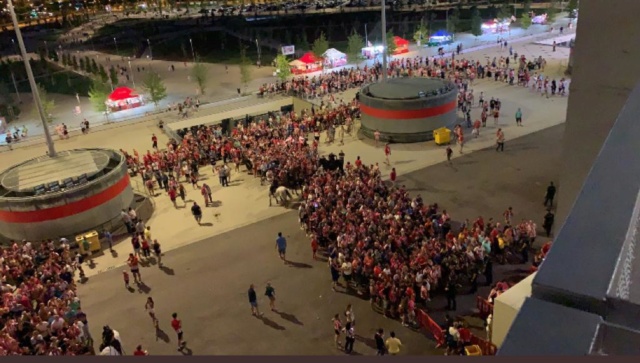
333	53
506	308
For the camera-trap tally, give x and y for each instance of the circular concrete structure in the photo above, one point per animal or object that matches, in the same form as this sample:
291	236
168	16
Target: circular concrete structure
408	109
72	193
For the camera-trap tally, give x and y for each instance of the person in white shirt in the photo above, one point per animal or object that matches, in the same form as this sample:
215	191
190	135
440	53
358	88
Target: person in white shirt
347	270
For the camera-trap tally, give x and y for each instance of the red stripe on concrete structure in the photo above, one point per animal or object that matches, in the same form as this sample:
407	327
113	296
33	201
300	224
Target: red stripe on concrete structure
67	210
408	114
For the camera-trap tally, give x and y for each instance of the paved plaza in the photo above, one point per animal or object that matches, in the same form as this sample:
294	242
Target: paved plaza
206	282
225	79
209	268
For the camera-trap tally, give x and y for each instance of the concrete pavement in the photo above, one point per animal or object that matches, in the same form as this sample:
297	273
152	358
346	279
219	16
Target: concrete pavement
206	282
246	202
224	80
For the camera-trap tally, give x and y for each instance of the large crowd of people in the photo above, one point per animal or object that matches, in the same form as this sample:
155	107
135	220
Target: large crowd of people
40	312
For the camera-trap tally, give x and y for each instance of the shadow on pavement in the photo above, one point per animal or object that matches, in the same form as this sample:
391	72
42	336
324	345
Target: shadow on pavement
143	288
369	342
290	318
168	270
161	335
208	224
298	264
186	351
271	324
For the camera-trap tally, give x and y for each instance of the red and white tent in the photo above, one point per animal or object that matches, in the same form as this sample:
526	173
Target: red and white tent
123	98
312	63
402	45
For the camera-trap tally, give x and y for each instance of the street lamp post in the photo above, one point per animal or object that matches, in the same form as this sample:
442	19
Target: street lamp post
132	79
32	81
150	49
116	43
384	40
15	85
192	52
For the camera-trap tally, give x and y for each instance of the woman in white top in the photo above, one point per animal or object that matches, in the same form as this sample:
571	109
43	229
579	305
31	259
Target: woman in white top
149	307
349	315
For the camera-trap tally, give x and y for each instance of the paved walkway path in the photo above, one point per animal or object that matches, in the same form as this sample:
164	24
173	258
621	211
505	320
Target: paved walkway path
246	202
206	283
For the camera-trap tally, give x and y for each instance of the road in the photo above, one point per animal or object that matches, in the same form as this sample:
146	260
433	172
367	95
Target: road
206	282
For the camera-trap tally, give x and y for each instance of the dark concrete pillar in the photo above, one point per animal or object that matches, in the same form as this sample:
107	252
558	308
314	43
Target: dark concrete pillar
605	71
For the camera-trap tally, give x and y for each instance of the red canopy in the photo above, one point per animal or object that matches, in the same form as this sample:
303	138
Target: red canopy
399	41
121	93
309	58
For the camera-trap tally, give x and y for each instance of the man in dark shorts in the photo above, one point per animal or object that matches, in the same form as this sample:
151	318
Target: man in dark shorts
176	324
197	212
253	301
281	246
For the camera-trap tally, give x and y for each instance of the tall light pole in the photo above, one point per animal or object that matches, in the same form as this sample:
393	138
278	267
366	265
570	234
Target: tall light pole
116	43
150	49
384	40
192	52
32	80
131	71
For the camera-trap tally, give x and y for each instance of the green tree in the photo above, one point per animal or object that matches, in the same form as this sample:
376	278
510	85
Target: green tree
391	43
200	75
245	69
283	69
320	45
355	43
94	67
113	76
421	35
525	21
526	7
48	104
103	74
476	22
98	94
154	86
572	6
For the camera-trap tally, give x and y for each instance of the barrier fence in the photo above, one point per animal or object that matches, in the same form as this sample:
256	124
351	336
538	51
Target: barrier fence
438	334
485	308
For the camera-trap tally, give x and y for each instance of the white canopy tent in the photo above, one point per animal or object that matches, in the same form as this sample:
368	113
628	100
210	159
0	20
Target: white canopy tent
506	307
334	58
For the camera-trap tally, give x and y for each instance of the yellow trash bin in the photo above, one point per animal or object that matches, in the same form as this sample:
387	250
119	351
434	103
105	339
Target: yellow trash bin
442	136
94	242
473	350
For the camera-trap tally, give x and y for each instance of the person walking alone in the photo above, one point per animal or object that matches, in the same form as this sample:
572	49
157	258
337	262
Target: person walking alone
197	212
270	293
253	301
519	117
281	246
551	193
176	324
449	154
387	153
500	140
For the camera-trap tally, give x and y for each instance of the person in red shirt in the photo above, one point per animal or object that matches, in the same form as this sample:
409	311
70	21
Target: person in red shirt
176	324
314	247
393	176
154	141
173	195
387	153
358	162
140	351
